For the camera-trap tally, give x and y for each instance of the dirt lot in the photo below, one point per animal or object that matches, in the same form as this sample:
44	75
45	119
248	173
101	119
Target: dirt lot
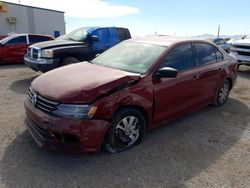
209	148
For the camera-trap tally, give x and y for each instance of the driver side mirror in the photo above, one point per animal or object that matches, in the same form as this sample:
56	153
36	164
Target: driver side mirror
166	72
94	38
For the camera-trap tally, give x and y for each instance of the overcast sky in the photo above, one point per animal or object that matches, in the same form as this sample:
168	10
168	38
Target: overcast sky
142	17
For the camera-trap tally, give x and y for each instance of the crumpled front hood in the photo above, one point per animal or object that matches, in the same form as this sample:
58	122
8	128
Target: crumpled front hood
80	83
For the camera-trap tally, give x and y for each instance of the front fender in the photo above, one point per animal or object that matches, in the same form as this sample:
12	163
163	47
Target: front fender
132	96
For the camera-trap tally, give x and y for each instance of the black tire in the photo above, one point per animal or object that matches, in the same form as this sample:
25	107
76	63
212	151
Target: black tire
119	138
69	60
223	93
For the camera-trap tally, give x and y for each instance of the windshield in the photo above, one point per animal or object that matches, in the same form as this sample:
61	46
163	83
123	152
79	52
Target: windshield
4	40
62	37
130	56
77	35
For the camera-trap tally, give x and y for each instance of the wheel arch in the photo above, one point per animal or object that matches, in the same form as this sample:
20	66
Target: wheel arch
230	82
137	107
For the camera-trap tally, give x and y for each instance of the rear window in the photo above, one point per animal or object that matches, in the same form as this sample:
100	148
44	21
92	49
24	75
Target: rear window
35	39
205	53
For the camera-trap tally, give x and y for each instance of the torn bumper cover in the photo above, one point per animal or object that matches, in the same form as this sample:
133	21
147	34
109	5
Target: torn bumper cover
64	134
43	65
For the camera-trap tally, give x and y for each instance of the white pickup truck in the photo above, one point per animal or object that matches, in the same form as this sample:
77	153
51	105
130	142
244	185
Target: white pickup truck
241	50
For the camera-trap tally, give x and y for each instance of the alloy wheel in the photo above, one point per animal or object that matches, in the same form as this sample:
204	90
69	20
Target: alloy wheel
223	92
127	131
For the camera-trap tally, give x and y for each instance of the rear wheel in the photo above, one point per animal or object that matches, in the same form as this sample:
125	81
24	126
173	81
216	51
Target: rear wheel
126	131
69	60
223	93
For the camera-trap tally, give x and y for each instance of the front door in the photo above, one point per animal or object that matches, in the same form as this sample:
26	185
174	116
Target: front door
15	50
175	96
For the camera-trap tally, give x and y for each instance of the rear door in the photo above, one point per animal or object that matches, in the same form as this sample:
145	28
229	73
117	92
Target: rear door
175	96
15	49
210	61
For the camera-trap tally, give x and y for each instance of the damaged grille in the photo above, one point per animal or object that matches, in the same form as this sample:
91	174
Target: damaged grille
241	46
41	102
34	53
244	53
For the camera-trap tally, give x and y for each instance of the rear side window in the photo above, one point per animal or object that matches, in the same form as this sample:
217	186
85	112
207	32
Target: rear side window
123	34
205	53
18	40
35	39
180	58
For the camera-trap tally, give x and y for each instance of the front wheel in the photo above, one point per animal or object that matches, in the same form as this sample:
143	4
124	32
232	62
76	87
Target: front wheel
69	60
127	130
223	93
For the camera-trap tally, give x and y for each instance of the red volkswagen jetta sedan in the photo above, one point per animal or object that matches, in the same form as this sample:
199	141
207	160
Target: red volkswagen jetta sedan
137	85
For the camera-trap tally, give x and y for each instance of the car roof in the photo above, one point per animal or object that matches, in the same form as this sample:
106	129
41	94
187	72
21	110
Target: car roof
166	40
24	34
212	38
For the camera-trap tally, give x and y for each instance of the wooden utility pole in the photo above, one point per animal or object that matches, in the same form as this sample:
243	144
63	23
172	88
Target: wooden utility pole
218	31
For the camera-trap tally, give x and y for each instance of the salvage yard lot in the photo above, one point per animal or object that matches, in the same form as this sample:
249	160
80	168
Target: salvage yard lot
208	148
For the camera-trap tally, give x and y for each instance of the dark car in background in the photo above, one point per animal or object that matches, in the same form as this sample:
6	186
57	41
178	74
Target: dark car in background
82	44
241	50
14	47
221	43
136	85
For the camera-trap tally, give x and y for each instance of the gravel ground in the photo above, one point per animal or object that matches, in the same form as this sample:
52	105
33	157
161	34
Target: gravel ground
209	148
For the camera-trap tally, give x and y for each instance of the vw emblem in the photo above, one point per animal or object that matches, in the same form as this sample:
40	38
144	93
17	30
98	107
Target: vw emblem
34	99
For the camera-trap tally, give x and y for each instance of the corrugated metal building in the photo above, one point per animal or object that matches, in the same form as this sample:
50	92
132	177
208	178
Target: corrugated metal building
18	18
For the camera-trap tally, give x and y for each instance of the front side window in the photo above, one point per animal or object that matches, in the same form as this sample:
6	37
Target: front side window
180	58
17	40
205	53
